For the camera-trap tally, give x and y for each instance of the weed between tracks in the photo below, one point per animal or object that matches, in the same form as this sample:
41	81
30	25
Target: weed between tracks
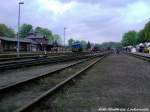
20	96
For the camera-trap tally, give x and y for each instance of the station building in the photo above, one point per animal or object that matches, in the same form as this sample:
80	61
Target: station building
34	42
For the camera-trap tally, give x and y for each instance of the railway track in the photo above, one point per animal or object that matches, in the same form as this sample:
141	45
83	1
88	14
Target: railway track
31	56
22	96
7	59
140	56
41	60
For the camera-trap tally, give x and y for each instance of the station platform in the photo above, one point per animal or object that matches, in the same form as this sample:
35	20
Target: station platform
142	54
118	82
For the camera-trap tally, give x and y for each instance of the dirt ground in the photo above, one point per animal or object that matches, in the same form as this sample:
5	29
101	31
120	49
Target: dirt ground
118	81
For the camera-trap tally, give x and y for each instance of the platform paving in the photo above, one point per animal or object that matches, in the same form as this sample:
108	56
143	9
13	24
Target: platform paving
143	54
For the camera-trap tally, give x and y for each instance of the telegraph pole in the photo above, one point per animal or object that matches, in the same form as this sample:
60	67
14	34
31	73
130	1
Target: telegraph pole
18	36
64	37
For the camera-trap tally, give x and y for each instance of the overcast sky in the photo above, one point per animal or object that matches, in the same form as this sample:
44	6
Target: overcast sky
94	20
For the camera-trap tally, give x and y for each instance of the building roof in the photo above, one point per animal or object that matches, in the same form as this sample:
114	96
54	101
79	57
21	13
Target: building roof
15	39
24	40
34	35
31	38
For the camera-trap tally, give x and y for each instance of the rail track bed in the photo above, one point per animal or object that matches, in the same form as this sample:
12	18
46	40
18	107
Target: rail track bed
43	60
17	97
118	81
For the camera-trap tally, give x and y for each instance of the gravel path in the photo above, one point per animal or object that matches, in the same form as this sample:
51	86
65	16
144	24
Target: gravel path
14	76
119	81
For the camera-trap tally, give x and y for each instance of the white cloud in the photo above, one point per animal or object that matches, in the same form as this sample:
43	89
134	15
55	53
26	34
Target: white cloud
56	6
136	12
94	20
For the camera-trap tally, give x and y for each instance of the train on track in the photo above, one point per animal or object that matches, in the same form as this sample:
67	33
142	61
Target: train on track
77	47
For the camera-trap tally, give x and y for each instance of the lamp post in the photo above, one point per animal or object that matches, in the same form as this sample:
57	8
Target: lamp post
64	36
18	43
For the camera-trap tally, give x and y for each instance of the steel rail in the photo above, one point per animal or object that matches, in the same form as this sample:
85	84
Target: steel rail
53	90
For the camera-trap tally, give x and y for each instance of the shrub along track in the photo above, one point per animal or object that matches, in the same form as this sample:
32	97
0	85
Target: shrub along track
29	92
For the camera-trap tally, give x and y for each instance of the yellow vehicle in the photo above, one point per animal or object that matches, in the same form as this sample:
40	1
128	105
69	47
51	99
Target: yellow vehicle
149	50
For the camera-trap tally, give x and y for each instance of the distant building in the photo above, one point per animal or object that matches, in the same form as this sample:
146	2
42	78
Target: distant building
33	42
38	41
9	44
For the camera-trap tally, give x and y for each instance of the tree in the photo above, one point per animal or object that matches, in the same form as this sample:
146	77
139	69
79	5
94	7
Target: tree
84	44
25	29
45	32
110	45
88	45
129	38
6	31
10	33
56	38
146	31
70	42
140	37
